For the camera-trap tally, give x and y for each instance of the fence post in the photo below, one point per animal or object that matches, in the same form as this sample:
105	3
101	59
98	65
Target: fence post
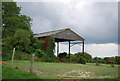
13	54
32	61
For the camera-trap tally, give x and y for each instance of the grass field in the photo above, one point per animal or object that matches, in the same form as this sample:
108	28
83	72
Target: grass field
66	70
11	73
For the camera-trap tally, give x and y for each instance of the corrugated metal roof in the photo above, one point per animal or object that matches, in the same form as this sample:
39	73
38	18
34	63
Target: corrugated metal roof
66	34
48	33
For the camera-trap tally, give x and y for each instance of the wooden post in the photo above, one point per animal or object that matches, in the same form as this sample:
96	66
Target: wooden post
13	55
69	51
32	61
57	48
83	49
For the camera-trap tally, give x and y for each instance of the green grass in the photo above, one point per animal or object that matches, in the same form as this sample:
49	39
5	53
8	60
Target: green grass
53	69
12	73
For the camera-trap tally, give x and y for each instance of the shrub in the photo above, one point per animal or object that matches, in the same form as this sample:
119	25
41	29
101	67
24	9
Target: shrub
39	53
112	65
21	55
6	53
74	59
82	60
62	55
97	64
50	59
65	60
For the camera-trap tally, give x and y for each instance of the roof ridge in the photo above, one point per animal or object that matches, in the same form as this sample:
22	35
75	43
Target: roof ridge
54	31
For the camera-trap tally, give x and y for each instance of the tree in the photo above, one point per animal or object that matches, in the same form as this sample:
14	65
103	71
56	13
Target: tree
117	59
22	39
82	60
12	19
17	33
16	29
13	23
106	59
87	56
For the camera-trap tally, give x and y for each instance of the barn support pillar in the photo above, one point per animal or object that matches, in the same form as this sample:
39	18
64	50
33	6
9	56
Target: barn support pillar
69	50
57	48
83	48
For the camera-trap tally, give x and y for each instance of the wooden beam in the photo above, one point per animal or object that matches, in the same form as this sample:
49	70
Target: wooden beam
69	50
83	48
57	48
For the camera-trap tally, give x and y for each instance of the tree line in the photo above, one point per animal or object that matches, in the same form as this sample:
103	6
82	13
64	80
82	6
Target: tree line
87	58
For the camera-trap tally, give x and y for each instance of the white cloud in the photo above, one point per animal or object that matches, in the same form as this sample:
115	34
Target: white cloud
102	50
65	0
99	50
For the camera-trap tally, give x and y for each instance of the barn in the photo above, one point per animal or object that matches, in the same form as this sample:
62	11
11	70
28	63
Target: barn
63	35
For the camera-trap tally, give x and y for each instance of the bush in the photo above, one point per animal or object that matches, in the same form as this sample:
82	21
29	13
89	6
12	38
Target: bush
62	55
21	55
39	53
6	53
82	60
37	59
97	64
112	65
50	59
74	59
117	59
65	60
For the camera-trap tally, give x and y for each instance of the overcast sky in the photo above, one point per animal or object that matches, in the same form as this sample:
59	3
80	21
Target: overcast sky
97	22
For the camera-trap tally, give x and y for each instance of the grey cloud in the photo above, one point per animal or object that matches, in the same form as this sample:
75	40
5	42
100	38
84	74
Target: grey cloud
96	22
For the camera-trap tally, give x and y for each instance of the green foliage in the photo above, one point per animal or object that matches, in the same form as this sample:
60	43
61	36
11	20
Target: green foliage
51	48
10	9
16	28
117	59
74	58
106	59
52	59
22	39
39	53
13	20
62	55
82	60
37	44
17	34
97	64
6	54
49	56
87	56
97	59
65	60
112	65
21	56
